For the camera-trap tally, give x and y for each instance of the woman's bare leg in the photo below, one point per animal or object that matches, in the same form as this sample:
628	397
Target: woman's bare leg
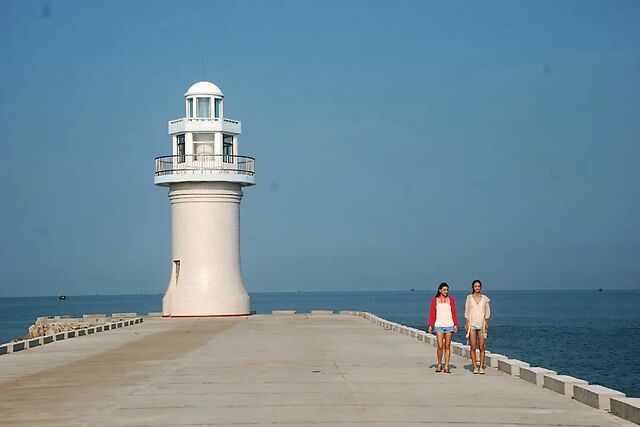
447	348
473	335
440	339
482	347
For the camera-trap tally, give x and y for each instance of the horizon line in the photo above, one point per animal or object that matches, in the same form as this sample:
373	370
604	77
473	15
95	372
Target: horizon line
347	291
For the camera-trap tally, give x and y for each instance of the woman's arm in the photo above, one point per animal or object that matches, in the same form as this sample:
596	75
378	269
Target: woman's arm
467	312
487	314
432	314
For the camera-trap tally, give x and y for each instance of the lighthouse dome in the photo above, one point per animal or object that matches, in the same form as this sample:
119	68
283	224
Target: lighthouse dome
204	88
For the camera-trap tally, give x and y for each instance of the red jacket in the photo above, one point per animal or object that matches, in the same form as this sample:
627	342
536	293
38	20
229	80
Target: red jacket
432	311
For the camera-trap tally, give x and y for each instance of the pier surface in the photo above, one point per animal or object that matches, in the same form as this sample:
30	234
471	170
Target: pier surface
290	370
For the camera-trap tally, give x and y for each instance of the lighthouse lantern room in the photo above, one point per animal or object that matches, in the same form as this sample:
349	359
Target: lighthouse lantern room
205	175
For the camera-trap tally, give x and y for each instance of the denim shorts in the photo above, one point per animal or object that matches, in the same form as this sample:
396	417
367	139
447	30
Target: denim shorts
443	329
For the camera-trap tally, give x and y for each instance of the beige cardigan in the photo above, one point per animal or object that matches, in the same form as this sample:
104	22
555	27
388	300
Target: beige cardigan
476	313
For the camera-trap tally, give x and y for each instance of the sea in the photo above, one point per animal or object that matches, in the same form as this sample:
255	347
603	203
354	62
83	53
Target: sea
593	335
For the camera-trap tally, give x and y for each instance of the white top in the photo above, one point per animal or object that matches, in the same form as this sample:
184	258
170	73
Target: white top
477	312
204	88
443	314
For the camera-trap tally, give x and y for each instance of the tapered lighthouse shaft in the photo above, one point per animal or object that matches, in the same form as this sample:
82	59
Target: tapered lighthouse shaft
206	251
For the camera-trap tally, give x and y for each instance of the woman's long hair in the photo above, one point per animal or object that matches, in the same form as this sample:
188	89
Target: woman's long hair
442	285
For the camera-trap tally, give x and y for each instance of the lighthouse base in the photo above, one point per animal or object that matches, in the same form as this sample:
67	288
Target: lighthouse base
205	279
174	306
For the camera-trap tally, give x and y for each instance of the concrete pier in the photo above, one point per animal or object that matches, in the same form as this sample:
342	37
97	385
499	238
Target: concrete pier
293	370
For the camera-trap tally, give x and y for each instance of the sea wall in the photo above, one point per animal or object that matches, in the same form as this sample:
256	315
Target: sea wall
47	330
44	326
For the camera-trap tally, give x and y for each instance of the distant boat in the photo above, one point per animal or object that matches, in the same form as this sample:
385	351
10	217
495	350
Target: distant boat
61	297
600	290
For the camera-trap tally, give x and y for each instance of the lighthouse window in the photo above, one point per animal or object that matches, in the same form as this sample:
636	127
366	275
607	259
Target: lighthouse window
180	150
227	149
176	263
204	110
190	106
216	108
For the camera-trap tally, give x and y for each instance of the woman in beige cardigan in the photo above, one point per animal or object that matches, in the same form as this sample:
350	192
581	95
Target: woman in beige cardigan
476	315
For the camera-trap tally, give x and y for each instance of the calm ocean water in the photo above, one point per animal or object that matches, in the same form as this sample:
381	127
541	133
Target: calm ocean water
586	334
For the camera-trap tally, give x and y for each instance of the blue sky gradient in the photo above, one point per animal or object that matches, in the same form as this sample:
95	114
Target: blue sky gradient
397	144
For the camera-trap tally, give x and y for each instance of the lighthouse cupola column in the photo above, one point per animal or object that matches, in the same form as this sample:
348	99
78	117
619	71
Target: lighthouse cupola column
205	176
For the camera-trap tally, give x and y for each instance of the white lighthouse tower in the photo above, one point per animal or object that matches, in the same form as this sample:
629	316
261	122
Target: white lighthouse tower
205	176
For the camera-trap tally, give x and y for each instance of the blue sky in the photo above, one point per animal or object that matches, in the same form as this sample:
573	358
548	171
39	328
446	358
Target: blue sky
397	144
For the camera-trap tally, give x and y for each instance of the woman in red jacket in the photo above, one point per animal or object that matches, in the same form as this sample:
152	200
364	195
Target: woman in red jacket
444	321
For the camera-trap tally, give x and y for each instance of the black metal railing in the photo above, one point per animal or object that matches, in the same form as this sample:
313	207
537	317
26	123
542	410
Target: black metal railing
205	163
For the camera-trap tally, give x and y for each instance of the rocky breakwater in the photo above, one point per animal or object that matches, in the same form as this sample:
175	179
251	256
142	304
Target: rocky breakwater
44	326
47	330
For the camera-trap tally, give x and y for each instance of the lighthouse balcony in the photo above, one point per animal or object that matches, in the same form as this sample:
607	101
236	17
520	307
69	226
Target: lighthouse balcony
205	168
197	124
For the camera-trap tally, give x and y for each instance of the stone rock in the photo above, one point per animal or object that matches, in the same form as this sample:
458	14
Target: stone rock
50	326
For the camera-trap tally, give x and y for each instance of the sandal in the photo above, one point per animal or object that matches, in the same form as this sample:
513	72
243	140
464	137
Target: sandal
446	370
439	368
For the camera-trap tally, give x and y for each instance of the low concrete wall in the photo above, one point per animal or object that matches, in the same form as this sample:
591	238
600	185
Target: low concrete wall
562	384
94	316
595	395
457	348
511	366
492	359
283	312
627	408
35	342
535	375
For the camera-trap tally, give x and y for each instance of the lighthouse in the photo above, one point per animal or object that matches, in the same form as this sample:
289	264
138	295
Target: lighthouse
205	175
